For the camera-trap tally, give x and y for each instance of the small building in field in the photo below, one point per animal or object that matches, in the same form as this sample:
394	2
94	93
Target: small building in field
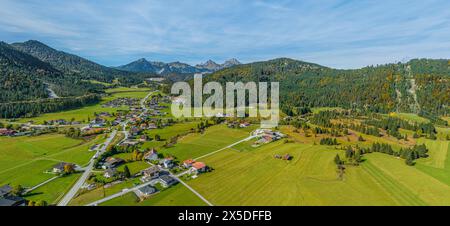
59	168
198	167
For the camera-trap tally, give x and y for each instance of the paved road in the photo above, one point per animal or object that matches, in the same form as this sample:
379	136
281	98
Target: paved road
229	146
193	191
123	192
88	169
41	184
66	199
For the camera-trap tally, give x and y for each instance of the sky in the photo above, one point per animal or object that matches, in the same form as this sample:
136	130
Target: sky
334	33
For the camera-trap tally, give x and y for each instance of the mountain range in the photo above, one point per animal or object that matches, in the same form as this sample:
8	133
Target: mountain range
30	68
143	65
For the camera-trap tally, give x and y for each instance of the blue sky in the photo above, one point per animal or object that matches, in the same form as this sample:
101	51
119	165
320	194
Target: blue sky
339	33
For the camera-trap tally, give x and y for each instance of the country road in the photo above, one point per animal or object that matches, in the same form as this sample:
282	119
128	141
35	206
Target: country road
174	176
72	192
66	199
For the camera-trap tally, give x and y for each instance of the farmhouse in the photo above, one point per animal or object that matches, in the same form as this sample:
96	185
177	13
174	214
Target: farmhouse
152	155
188	163
198	167
59	168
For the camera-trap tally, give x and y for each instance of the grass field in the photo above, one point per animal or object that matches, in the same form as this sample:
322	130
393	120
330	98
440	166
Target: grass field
96	194
82	114
245	176
24	160
177	195
410	117
256	178
54	190
215	137
134	167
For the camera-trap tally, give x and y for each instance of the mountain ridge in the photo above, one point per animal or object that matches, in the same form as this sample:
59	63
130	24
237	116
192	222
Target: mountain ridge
144	65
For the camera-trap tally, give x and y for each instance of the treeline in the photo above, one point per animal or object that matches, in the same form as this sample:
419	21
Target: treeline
409	154
34	108
372	88
392	126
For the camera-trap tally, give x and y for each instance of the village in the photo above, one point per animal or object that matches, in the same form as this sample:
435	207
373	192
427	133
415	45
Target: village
112	162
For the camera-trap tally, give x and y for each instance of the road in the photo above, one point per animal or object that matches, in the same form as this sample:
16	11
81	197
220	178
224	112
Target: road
88	169
123	192
174	176
193	191
229	146
73	191
41	184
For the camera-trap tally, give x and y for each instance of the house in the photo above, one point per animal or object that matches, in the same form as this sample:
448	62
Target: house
5	190
59	168
167	162
111	162
188	163
152	126
111	172
167	181
244	125
287	157
198	167
146	191
6	132
152	155
150	173
11	200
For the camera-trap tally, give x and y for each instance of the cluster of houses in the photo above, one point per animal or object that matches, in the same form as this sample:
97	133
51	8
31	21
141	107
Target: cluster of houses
264	136
236	124
194	167
123	101
8	199
22	130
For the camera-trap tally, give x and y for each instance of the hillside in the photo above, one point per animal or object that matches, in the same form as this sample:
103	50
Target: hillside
73	64
22	76
419	86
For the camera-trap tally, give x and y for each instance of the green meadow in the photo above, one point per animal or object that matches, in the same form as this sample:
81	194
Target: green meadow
87	112
25	160
255	177
214	138
177	195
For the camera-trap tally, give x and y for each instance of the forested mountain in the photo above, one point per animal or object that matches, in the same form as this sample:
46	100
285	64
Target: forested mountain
22	76
420	86
73	64
143	65
31	70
